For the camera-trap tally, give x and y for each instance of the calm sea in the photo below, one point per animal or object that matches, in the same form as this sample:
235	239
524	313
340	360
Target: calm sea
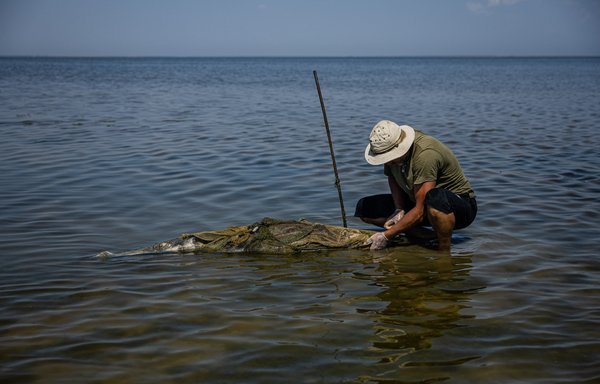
115	154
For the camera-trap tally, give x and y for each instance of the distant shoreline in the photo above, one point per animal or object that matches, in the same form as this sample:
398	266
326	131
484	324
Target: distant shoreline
306	57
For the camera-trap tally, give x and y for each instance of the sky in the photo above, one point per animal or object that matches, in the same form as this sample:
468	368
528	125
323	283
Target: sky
300	27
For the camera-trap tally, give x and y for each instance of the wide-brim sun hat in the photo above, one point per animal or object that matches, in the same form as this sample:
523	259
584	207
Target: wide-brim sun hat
388	141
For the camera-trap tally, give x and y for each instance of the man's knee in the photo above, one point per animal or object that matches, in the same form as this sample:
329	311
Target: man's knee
438	217
437	199
439	210
375	206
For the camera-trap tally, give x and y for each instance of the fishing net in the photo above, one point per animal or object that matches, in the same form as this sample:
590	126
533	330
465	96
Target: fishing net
267	236
280	236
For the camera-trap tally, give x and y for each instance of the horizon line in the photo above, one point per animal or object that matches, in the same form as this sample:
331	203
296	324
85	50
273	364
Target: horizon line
294	56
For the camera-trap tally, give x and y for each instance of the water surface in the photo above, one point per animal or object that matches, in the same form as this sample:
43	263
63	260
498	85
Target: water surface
120	153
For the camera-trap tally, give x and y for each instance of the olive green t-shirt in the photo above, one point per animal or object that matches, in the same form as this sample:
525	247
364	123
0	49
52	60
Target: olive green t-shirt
430	160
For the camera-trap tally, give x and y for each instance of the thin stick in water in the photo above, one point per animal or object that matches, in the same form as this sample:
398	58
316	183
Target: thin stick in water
335	171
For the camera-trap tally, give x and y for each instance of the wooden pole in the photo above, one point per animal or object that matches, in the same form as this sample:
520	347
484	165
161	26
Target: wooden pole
335	171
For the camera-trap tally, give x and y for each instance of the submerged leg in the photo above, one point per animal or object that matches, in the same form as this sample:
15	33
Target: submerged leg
421	234
379	221
443	224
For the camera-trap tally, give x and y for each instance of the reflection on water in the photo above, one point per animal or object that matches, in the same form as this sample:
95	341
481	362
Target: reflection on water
426	296
326	316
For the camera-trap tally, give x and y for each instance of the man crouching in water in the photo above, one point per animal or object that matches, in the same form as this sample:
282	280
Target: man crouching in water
428	186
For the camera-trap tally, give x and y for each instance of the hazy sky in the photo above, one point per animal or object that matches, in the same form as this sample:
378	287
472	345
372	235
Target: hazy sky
299	27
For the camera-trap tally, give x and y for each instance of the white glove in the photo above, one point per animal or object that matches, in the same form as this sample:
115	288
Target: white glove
377	241
394	218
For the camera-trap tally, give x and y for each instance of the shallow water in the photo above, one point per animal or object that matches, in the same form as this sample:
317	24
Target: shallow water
120	153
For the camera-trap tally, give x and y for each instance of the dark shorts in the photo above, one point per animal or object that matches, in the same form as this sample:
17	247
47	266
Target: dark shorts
463	207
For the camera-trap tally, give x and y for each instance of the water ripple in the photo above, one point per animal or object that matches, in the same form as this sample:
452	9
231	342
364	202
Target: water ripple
121	153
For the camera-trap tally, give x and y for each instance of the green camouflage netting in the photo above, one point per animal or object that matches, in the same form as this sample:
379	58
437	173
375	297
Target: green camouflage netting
279	236
267	236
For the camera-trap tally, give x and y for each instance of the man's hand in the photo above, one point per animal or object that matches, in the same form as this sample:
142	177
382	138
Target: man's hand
377	241
394	218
